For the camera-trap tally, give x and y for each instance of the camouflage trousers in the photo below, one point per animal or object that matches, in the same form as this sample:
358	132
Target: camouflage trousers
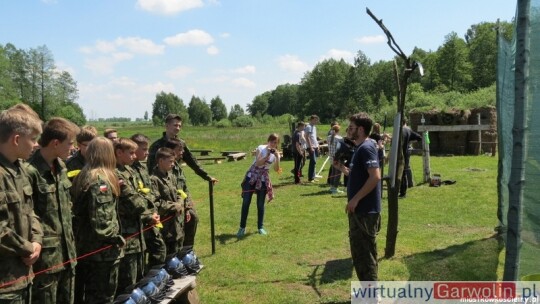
98	281
363	229
22	296
129	272
190	229
155	248
52	288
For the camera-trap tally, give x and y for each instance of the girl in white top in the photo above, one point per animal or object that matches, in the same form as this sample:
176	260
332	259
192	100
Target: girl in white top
257	180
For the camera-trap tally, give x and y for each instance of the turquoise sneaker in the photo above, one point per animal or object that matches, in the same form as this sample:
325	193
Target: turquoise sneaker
262	231
241	232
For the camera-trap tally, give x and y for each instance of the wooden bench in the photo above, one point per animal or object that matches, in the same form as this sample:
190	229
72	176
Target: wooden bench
236	156
227	153
204	152
182	290
216	160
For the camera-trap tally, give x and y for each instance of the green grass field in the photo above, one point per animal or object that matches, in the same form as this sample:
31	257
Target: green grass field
445	233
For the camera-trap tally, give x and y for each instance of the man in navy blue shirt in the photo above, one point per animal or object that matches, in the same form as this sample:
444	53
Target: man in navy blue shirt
364	197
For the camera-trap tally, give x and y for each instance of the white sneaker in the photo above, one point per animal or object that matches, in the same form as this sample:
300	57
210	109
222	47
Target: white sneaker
318	176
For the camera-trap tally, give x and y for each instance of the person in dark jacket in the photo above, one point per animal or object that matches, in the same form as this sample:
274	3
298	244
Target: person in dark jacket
173	124
408	135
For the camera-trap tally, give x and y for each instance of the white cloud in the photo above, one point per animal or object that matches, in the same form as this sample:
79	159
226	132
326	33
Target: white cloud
243	82
104	46
157	87
192	37
248	69
168	7
120	97
224	35
135	45
338	55
371	39
212	50
292	63
105	64
179	72
139	45
49	1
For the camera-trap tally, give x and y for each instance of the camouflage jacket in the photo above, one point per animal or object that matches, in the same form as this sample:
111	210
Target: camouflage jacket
170	205
187	157
19	225
145	186
96	212
75	162
181	184
133	208
52	203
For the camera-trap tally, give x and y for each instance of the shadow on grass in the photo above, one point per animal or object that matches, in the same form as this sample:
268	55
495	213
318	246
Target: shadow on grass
471	261
225	237
322	192
332	271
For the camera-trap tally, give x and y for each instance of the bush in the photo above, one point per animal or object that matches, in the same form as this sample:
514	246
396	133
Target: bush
243	121
285	119
224	123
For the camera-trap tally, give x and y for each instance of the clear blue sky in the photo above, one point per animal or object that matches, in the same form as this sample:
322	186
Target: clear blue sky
123	52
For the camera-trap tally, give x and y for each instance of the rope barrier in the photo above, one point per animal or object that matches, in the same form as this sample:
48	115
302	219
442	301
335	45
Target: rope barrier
103	248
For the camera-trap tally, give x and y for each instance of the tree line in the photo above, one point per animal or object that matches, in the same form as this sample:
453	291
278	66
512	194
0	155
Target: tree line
461	71
31	76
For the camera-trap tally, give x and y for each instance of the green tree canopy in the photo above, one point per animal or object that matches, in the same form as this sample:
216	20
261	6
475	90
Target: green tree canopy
165	104
283	100
218	108
259	105
453	64
320	90
236	111
199	112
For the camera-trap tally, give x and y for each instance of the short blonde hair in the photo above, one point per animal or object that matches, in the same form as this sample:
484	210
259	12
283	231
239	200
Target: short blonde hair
19	119
87	133
125	144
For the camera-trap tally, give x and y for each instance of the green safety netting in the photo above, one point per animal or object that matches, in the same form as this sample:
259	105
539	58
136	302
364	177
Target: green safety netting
518	110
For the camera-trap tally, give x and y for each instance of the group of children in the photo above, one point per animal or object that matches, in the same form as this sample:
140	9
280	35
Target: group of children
89	228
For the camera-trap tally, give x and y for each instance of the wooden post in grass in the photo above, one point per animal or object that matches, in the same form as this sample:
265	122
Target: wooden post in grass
212	231
401	82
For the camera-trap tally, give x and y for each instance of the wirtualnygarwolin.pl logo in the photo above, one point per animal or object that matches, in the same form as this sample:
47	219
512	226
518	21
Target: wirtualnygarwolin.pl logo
445	292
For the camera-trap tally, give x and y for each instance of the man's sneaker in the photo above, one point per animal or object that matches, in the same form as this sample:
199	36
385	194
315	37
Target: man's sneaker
313	180
262	231
241	232
318	176
336	191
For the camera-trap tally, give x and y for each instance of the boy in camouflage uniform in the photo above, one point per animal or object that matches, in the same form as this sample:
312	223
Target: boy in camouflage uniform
134	210
191	218
76	161
20	230
170	205
52	203
155	246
